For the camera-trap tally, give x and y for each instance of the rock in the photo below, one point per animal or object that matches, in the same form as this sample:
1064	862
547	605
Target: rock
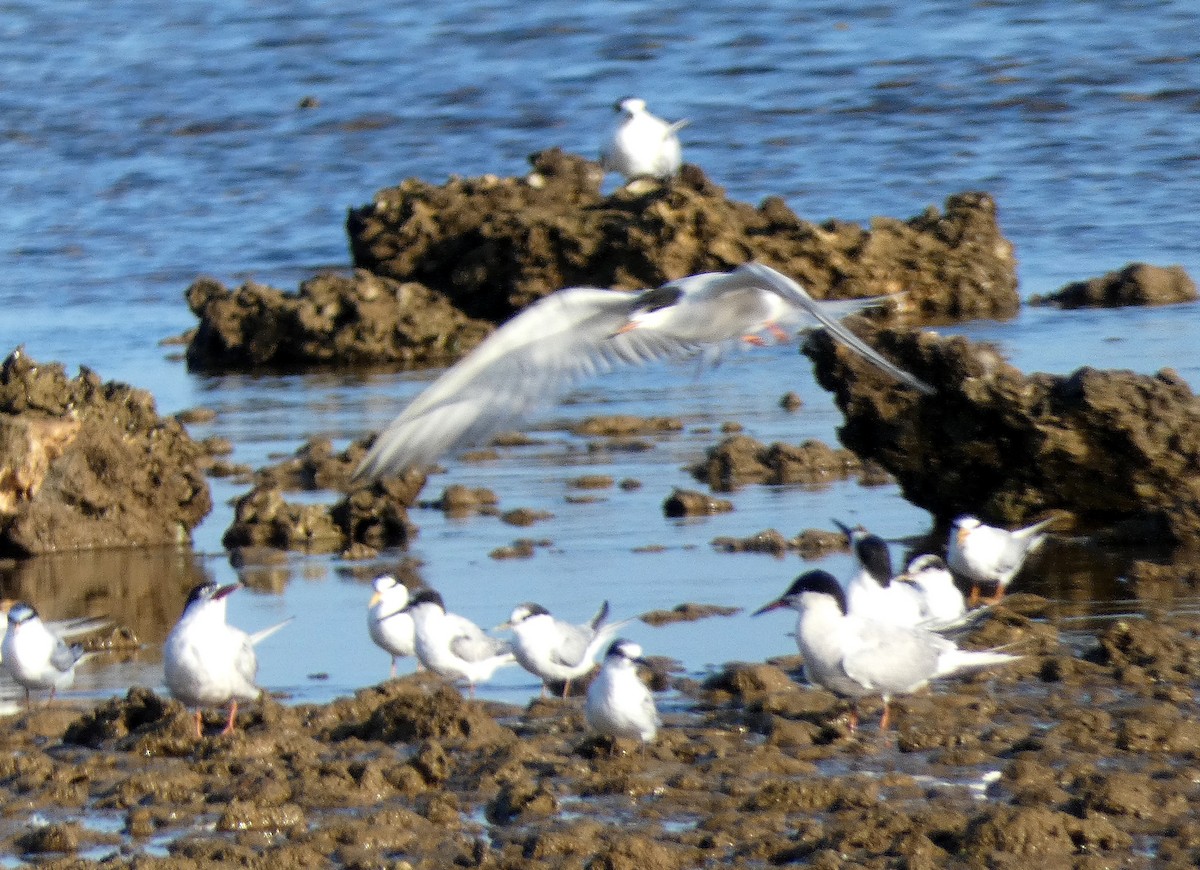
1135	284
689	503
494	245
1111	450
687	612
86	464
331	320
740	459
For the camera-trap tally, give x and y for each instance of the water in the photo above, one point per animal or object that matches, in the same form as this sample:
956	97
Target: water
144	144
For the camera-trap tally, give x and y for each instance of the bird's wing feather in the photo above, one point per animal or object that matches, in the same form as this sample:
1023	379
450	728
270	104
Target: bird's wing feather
891	659
479	646
574	646
535	356
798	297
64	657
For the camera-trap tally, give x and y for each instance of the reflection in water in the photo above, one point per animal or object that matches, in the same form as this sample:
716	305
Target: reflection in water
142	590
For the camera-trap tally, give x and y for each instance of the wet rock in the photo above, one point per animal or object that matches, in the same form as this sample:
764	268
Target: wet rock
460	501
262	518
522	548
739	460
592	481
1135	284
815	543
494	245
688	612
363	319
625	425
1158	650
1111	450
689	503
1039	832
86	464
767	541
377	515
791	401
525	516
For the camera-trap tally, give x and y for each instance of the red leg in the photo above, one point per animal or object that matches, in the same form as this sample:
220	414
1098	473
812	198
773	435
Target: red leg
232	718
199	726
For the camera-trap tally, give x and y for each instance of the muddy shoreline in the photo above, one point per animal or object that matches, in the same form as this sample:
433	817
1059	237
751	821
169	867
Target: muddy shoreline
1085	753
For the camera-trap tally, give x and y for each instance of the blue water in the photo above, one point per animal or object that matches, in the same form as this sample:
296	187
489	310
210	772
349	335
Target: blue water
144	144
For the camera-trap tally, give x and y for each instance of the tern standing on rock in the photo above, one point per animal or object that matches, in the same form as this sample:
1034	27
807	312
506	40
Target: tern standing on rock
206	661
552	649
643	146
36	657
856	657
451	645
581	331
389	624
991	557
618	703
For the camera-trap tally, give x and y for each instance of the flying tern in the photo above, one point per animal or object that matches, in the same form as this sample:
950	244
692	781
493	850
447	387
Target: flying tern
643	145
856	657
35	656
552	649
206	661
988	556
389	624
618	703
451	645
581	331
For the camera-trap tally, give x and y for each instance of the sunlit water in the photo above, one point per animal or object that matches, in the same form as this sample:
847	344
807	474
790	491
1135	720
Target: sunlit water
144	144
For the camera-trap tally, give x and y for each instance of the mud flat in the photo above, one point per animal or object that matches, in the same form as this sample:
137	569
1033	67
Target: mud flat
1082	754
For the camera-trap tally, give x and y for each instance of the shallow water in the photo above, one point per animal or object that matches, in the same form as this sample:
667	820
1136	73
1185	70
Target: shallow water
145	144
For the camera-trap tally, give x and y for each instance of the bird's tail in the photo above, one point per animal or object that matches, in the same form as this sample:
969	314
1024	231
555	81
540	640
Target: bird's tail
676	127
954	660
68	628
600	617
1032	533
957	625
264	633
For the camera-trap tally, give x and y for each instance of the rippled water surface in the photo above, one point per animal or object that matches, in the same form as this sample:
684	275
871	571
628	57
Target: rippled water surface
143	144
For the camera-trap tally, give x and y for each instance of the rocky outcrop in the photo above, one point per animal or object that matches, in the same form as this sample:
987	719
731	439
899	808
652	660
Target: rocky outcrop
86	464
332	319
493	245
1136	284
1115	450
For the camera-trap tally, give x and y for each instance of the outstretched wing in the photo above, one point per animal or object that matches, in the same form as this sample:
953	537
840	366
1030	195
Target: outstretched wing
531	359
797	297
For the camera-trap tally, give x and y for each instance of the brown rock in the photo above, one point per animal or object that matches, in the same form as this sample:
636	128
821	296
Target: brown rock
493	245
1109	449
740	459
1135	284
689	503
330	320
86	464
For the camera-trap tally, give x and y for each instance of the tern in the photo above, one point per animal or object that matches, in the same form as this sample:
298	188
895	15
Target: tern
552	649
206	661
643	145
581	331
870	591
942	604
64	628
618	703
451	645
855	657
989	556
389	624
35	656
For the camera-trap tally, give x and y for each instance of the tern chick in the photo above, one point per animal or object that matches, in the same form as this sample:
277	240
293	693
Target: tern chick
389	624
582	331
618	703
643	145
35	656
991	557
856	657
552	649
451	645
206	661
